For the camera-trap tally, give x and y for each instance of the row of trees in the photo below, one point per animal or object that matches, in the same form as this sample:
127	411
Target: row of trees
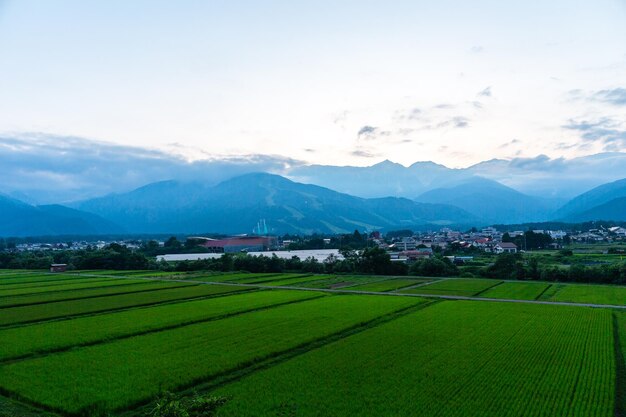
113	256
367	261
514	266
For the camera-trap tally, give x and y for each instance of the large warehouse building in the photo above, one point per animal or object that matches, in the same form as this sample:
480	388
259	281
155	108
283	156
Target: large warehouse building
238	244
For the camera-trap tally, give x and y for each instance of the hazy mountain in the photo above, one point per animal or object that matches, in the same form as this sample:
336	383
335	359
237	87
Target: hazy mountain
44	169
380	180
561	178
540	176
236	205
596	203
612	210
19	219
493	202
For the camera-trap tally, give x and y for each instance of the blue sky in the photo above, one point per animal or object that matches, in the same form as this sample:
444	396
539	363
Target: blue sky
337	82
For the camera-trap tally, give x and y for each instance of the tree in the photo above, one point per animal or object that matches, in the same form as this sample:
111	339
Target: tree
173	244
506	266
375	261
434	267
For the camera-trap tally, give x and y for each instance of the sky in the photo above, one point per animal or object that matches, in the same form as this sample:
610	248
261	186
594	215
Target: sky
324	82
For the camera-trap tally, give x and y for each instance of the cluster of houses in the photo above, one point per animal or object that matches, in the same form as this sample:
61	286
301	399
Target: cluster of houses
609	235
76	245
421	245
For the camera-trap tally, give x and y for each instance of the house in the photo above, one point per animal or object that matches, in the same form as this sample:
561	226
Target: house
406	244
505	247
58	267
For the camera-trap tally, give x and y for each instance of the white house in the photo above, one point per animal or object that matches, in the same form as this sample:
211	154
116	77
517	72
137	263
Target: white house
505	247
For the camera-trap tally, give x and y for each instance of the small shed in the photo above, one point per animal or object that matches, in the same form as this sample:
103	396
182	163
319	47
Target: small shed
58	267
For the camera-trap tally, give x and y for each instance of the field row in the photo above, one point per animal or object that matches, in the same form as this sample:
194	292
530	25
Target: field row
77	379
163	292
29	284
451	359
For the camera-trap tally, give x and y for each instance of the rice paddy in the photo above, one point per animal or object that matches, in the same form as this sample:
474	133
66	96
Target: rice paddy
93	344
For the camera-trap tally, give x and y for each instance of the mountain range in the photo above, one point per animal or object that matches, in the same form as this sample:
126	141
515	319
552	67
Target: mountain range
493	202
53	169
237	204
20	219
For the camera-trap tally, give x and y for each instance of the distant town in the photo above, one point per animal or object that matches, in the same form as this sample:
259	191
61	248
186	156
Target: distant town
403	245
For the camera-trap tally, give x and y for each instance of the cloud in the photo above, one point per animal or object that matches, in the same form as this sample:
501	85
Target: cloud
371	133
340	118
409	115
605	131
361	153
458	122
367	130
615	96
612	96
486	92
44	168
544	176
538	163
477	49
510	143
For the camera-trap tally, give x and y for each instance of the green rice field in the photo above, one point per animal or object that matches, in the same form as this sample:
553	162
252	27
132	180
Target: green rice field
517	290
595	294
388	285
451	359
455	286
129	286
100	351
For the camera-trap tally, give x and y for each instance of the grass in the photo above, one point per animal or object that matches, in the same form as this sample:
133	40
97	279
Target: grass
388	285
295	281
619	323
516	290
36	278
467	287
230	276
261	278
593	294
79	293
450	359
341	281
10	274
68	281
78	379
68	308
94	283
58	335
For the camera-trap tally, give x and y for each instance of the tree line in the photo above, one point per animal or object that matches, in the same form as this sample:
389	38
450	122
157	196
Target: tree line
371	260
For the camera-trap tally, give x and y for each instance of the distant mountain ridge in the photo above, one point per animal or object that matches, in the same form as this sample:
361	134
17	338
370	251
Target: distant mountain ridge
235	206
382	179
493	202
538	177
613	210
605	202
19	219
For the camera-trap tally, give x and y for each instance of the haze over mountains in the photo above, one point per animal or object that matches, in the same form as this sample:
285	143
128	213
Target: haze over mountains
115	188
20	219
235	206
48	169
